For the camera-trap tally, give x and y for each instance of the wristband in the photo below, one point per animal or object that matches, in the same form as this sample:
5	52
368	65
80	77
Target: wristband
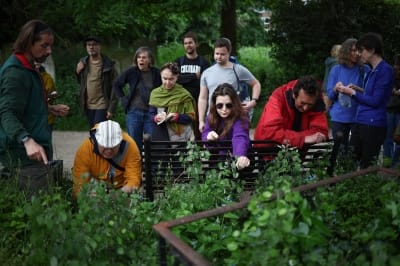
25	139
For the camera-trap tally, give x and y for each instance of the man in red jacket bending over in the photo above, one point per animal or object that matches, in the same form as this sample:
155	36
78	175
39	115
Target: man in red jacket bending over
294	114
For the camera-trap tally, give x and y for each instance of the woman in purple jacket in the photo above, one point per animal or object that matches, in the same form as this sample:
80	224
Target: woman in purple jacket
227	120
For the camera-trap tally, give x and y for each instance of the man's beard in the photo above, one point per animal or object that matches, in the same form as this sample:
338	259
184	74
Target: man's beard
41	59
190	51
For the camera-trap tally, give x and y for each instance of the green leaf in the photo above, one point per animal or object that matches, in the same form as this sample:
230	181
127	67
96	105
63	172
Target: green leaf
232	246
302	229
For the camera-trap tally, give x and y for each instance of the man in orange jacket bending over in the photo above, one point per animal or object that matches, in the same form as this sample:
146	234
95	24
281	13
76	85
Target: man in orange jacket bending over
109	155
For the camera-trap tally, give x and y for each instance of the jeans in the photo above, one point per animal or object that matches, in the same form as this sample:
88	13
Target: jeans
96	116
138	122
390	149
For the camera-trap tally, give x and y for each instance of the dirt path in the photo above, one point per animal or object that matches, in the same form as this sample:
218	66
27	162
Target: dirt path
65	144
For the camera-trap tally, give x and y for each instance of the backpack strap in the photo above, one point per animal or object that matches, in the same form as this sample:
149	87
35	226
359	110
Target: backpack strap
237	77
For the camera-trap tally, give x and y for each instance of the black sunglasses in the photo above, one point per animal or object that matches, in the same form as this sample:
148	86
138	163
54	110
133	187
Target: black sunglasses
221	105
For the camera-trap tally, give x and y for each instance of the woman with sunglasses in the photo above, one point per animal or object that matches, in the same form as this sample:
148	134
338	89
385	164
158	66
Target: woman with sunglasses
227	120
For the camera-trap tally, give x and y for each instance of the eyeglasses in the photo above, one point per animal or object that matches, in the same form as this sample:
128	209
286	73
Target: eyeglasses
221	105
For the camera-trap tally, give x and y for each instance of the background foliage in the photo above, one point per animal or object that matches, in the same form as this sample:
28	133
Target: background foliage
303	32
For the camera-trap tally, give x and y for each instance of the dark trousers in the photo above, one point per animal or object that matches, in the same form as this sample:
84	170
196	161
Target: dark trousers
96	116
366	142
340	133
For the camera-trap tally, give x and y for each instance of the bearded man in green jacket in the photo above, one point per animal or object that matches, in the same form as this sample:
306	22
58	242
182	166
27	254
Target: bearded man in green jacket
25	138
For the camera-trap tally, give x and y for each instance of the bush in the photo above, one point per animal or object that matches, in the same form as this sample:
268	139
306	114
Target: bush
356	221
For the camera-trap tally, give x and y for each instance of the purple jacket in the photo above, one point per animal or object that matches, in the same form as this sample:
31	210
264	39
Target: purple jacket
239	135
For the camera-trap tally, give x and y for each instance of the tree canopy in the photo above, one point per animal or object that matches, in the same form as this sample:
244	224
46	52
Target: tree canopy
127	20
301	35
303	31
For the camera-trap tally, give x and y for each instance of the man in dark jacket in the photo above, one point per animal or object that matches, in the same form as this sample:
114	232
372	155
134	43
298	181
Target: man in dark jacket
96	73
25	142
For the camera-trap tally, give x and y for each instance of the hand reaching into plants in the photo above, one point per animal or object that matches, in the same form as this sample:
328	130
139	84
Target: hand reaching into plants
127	189
212	135
242	162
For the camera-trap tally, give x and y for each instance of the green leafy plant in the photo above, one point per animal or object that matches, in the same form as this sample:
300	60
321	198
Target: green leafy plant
353	222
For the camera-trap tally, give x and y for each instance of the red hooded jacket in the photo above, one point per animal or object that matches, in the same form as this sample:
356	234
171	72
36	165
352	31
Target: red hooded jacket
278	116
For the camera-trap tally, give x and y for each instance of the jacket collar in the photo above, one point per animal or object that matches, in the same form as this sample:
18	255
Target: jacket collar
24	61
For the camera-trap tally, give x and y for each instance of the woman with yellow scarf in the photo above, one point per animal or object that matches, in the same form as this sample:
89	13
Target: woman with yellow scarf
172	107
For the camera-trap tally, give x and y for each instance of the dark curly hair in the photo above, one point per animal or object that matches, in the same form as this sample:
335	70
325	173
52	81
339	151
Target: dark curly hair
171	66
310	86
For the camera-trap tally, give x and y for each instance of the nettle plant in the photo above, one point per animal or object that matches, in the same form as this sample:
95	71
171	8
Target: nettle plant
353	222
116	229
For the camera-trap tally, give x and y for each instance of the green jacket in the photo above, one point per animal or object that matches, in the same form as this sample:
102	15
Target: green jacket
23	112
109	73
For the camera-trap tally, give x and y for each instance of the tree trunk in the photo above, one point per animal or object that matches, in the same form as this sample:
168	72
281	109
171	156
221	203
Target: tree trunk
228	22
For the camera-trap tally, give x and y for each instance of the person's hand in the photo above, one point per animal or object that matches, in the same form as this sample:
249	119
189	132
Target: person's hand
315	138
347	90
212	135
59	109
247	106
356	88
127	189
201	126
160	117
338	85
242	162
35	151
79	67
171	116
